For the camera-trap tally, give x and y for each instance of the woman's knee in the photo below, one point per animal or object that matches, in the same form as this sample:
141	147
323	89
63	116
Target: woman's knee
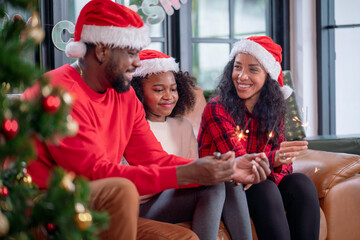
217	191
265	195
299	184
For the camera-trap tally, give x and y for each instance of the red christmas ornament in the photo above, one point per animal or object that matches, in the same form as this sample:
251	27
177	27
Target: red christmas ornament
50	228
4	191
51	104
10	128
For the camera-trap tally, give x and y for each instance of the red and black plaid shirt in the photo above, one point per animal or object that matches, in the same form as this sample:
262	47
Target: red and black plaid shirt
218	133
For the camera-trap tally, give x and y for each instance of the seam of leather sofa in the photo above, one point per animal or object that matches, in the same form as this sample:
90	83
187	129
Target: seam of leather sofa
339	175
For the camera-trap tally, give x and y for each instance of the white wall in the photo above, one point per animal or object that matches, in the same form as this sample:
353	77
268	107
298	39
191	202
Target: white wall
303	59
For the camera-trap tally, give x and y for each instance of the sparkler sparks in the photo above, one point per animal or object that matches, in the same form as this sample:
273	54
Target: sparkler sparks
271	134
240	134
303	124
316	170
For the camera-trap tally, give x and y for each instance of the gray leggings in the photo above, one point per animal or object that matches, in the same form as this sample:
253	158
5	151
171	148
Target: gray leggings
202	205
236	215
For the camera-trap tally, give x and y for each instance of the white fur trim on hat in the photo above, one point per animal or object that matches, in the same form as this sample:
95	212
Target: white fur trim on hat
75	49
286	91
136	38
132	37
272	67
156	65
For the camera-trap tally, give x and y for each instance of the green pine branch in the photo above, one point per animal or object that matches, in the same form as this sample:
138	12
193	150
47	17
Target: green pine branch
29	211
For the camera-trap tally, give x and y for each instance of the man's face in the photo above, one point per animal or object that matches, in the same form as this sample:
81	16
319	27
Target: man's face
121	66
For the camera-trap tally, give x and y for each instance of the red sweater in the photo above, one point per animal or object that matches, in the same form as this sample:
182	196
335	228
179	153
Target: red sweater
217	133
110	125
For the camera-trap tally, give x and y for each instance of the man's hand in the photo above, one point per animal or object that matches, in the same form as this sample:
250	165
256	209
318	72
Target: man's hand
288	152
251	168
207	170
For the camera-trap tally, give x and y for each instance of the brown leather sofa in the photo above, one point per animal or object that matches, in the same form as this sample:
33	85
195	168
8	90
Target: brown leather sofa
337	179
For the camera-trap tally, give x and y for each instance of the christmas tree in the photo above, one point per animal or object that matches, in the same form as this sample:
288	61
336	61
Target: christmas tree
60	212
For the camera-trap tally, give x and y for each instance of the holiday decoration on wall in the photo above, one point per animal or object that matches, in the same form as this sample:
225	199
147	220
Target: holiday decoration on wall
151	11
25	211
155	11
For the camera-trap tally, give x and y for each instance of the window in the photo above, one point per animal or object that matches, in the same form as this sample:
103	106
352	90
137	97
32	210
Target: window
338	41
212	27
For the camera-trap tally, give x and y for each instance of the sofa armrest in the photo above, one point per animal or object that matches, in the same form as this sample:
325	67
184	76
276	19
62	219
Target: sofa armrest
326	169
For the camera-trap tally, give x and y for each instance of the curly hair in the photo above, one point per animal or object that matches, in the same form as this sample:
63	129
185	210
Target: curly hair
270	109
185	87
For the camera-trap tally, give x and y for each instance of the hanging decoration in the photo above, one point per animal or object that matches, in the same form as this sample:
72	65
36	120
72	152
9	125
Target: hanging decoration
151	11
155	11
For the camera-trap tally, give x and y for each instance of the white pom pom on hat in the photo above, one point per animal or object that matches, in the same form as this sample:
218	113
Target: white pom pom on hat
107	22
153	62
75	49
268	54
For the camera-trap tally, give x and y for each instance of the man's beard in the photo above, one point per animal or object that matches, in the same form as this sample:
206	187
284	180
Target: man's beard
118	82
119	85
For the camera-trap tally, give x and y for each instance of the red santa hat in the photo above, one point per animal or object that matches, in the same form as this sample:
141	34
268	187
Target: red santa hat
268	54
107	22
153	62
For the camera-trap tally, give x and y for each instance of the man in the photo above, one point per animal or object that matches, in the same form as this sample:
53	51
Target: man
112	124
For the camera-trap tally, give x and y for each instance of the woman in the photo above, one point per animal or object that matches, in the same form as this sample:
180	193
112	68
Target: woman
247	116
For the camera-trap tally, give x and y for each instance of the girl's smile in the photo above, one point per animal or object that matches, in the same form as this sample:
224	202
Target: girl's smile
160	95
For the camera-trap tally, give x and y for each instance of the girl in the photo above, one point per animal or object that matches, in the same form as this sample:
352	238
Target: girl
166	94
251	101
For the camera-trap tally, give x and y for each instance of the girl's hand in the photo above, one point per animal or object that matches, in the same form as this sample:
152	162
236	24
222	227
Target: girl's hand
251	168
288	152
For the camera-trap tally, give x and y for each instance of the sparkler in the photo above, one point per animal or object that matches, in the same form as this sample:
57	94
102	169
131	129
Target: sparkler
271	134
316	170
241	133
303	124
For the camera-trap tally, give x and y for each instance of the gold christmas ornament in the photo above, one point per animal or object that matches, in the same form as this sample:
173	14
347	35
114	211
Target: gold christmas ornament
67	182
35	30
83	220
4	225
24	178
27	179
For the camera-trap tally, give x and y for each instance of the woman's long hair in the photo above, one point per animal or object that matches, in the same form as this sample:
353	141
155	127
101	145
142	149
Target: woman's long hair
270	109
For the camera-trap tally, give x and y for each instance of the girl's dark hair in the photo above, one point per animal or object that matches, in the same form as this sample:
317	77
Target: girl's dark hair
270	107
185	87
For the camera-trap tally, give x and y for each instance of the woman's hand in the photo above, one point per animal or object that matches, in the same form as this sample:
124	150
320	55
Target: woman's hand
251	168
288	152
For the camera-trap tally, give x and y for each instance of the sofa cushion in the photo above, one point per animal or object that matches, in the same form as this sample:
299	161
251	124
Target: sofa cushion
327	169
